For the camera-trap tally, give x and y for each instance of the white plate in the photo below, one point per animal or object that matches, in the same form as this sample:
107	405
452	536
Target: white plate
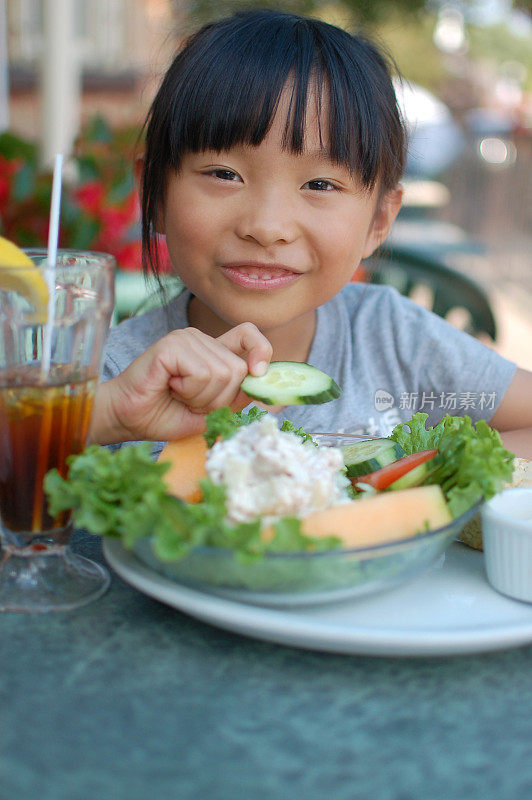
448	610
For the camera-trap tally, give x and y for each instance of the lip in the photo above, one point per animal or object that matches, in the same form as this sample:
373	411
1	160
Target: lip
260	275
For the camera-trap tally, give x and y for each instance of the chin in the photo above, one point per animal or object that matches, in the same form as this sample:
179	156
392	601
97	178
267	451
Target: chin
264	322
261	314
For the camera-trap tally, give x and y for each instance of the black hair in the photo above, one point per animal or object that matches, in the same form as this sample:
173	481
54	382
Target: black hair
224	86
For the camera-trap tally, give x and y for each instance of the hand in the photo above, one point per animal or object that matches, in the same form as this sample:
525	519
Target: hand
165	393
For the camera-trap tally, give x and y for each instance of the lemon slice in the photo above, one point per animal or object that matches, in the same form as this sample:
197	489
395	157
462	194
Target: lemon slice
19	274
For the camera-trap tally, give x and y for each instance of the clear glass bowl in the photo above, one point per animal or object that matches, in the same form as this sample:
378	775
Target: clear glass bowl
290	579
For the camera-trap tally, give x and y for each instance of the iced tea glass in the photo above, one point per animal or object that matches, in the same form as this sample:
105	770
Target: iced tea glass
45	413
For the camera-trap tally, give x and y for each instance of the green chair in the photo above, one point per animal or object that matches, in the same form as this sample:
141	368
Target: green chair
407	270
136	294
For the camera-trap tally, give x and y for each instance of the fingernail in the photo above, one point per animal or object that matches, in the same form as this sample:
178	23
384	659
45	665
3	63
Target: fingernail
260	368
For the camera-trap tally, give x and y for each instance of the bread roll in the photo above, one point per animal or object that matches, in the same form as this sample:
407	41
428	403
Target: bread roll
471	534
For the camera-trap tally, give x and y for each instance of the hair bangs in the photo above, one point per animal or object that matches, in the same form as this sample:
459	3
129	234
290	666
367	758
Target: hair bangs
224	89
234	101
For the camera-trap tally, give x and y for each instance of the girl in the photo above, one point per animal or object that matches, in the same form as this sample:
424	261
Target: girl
274	151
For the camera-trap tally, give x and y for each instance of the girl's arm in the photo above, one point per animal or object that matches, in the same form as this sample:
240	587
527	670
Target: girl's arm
165	393
513	418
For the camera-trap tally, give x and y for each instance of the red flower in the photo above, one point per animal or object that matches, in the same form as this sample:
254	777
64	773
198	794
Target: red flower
129	256
132	205
5	191
7	170
91	206
116	220
90	196
114	224
163	255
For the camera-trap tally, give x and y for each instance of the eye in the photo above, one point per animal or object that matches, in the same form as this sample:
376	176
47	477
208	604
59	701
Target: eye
321	185
224	174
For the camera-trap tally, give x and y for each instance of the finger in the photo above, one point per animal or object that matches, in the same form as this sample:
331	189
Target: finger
234	402
189	377
246	339
193	361
215	379
179	423
213	394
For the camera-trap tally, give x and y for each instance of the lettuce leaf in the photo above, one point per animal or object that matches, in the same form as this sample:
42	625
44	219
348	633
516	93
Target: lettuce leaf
223	423
111	493
289	427
472	462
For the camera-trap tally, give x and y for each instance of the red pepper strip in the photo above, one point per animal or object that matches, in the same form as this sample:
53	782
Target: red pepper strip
384	477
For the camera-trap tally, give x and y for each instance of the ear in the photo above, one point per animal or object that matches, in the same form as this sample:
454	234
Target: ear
138	171
383	219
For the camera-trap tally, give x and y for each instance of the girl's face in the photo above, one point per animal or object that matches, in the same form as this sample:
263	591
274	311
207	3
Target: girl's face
263	235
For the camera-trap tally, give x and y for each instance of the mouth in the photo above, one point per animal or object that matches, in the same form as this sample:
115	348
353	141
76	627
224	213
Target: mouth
258	275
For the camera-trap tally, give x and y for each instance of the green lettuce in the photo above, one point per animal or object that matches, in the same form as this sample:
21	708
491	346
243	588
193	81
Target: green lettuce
472	462
289	427
223	423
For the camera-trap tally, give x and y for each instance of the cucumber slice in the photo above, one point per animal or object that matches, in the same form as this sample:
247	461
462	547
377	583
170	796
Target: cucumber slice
290	383
362	458
415	477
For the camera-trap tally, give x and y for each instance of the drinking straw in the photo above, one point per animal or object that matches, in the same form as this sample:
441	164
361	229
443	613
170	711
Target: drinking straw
51	260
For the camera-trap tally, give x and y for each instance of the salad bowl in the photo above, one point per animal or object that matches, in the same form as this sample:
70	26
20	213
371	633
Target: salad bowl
292	579
339	552
286	579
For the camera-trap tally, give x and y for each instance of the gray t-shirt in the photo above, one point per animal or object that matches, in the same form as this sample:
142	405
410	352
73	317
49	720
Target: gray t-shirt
390	356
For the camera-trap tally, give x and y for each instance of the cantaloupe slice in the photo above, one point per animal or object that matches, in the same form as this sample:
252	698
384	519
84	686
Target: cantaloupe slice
382	517
187	457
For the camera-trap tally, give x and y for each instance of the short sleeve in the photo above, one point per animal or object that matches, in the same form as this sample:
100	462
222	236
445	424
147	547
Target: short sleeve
448	370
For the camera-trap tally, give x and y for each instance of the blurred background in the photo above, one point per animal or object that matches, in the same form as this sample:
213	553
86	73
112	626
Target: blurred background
78	76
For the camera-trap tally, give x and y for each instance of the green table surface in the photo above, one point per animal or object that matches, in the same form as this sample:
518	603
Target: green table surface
127	698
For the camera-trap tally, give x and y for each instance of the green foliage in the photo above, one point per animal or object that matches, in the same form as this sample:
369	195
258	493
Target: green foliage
409	40
13	147
206	10
362	12
371	12
496	45
99	209
405	27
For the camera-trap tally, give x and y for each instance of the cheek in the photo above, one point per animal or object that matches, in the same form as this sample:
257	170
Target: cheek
185	229
342	243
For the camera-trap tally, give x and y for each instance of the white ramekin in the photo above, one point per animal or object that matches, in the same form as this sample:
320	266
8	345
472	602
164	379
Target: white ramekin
507	542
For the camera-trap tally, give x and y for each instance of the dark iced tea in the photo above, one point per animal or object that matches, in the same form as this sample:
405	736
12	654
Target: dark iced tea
40	425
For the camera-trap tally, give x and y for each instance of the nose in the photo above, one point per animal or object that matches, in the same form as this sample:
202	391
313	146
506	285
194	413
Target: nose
267	218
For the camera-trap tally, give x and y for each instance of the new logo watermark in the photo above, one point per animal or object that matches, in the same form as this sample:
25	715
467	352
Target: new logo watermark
383	400
430	401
